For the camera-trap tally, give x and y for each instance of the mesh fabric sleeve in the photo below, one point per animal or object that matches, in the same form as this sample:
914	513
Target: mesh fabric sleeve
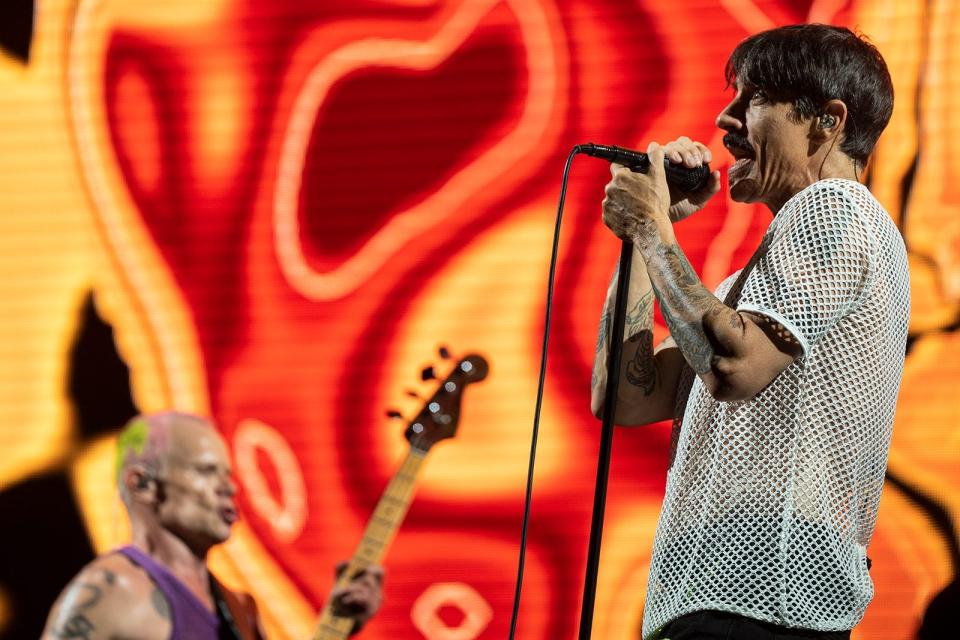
818	267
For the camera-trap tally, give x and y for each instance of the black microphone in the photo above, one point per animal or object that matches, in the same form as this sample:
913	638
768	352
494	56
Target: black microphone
683	178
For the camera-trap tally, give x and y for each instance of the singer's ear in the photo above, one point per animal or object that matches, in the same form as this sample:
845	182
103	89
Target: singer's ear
830	122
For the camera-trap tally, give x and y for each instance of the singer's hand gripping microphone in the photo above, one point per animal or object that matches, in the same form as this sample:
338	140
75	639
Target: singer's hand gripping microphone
681	177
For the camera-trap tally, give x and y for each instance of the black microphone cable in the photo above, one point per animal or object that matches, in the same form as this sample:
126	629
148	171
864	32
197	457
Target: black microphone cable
540	384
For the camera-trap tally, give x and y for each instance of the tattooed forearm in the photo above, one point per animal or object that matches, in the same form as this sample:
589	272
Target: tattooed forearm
641	370
638	374
603	334
684	303
606	316
638	328
604	331
640	318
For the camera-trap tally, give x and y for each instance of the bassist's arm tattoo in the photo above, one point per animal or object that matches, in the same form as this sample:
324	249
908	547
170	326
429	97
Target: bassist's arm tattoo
160	604
78	625
94	594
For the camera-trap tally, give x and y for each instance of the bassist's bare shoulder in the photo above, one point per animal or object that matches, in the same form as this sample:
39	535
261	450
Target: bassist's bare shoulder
110	598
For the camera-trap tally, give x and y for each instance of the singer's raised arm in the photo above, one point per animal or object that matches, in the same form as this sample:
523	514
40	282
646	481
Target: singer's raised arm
735	354
648	378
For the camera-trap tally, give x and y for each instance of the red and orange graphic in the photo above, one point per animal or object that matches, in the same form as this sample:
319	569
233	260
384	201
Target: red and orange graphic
284	208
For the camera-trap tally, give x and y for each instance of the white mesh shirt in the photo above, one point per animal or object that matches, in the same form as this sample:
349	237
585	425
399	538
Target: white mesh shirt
770	502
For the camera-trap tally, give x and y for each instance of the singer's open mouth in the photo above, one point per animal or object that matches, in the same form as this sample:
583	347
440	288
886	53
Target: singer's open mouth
742	154
228	514
738	146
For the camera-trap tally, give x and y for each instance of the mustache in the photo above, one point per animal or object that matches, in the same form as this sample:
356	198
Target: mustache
737	141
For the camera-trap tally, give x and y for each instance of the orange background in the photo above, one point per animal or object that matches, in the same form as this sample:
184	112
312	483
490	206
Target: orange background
283	208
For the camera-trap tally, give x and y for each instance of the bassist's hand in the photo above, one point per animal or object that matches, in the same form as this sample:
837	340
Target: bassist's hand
359	598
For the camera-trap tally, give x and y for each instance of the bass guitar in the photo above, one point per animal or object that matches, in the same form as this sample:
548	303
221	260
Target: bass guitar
436	421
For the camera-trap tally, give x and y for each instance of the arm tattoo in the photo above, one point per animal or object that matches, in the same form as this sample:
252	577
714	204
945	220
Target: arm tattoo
78	625
638	322
641	370
684	302
93	596
603	331
160	603
602	334
606	320
641	316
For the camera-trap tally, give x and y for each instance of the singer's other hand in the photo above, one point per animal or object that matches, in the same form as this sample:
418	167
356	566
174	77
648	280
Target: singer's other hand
690	153
635	200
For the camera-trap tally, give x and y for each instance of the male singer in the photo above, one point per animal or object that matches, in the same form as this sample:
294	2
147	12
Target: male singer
781	383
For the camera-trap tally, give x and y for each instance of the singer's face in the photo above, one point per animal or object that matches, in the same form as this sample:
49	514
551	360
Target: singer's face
769	145
197	502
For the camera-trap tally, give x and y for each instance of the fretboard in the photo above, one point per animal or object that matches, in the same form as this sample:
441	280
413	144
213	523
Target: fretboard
381	528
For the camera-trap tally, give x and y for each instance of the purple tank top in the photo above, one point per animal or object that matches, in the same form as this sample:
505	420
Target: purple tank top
190	620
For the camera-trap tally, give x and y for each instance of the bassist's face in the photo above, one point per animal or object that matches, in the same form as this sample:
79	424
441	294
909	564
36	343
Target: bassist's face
196	503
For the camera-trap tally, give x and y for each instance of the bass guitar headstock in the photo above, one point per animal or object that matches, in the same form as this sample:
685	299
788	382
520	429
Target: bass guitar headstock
440	415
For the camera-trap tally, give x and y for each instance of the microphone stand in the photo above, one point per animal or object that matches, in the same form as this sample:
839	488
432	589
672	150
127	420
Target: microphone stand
686	179
606	441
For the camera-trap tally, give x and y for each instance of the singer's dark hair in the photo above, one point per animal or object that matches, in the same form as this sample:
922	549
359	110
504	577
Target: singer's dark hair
811	64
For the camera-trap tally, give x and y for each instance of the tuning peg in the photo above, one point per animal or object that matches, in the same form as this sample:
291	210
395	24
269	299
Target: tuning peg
444	352
393	414
428	373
